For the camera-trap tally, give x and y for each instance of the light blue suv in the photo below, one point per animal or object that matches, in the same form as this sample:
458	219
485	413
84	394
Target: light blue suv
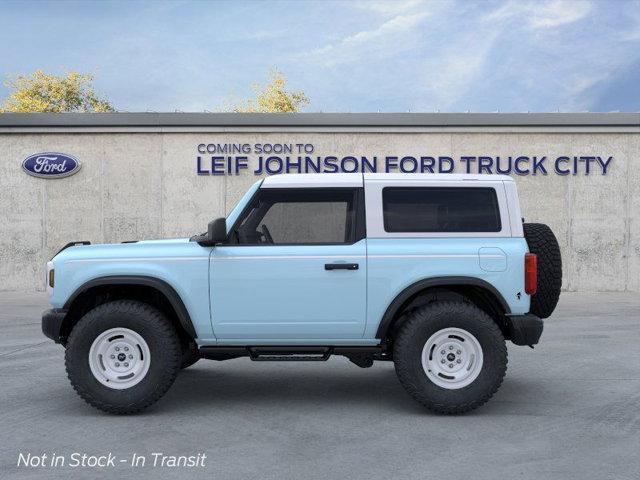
432	272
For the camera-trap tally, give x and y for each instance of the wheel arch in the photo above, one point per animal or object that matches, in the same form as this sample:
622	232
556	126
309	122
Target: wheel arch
136	287
478	291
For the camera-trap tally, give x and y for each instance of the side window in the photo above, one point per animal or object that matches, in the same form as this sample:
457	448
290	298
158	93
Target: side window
440	209
297	217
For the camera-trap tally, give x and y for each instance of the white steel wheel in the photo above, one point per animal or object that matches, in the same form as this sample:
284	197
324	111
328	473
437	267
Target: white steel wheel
119	358
452	358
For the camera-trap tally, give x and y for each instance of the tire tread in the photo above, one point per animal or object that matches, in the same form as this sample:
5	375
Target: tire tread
406	337
164	328
544	244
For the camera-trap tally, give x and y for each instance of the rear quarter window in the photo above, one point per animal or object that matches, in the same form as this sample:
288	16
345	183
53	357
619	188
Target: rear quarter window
440	209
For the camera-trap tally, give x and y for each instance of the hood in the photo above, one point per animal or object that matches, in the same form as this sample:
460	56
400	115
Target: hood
79	250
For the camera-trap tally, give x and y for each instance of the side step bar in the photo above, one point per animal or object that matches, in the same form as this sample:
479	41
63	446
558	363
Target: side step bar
300	354
361	356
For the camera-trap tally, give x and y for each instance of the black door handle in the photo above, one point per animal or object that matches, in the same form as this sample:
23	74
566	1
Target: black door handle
341	266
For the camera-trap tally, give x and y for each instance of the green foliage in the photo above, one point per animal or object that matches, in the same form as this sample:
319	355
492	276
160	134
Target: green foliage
42	92
274	98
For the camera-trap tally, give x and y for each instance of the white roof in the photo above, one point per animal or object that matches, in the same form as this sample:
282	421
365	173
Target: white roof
438	177
303	180
310	180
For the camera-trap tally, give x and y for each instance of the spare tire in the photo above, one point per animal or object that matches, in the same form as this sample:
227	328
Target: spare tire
544	244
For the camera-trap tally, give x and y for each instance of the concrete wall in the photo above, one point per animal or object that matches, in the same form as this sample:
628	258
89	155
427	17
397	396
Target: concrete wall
143	185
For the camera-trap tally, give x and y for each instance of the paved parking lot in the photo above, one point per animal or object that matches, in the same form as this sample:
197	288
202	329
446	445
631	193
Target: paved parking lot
568	409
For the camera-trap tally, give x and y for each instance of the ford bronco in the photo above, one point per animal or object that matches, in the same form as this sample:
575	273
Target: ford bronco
431	271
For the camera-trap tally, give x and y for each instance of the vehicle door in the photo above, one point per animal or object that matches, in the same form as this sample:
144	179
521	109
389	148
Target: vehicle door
294	268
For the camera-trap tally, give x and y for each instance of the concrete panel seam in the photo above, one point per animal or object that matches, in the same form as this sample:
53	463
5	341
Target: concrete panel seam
569	203
162	155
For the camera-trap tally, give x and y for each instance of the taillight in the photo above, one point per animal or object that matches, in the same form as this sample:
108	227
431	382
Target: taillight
530	273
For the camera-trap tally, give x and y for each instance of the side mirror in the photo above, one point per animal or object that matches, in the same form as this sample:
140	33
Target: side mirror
217	231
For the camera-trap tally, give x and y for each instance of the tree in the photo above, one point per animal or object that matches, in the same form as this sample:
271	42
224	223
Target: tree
42	92
274	98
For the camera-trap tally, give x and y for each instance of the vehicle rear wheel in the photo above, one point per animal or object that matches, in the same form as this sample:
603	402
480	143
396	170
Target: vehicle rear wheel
450	356
122	356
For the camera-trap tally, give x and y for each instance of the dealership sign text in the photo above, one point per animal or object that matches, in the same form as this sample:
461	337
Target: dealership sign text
272	159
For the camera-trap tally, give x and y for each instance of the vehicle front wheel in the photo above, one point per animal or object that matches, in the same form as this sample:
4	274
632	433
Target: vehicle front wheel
122	356
450	356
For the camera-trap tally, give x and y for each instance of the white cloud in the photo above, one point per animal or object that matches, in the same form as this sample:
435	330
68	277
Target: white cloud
539	15
507	11
393	36
578	83
564	69
632	14
396	25
386	7
451	73
556	13
518	56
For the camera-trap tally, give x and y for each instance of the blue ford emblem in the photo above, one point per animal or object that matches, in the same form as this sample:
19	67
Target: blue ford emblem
51	165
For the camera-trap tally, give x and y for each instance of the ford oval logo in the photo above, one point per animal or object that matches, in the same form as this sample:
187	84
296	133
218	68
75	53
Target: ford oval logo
51	165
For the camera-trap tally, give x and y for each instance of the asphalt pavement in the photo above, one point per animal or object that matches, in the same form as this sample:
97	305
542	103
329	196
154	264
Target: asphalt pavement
570	409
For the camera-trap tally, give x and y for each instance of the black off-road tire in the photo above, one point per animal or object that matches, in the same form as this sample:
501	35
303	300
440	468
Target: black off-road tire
190	355
420	325
544	244
153	327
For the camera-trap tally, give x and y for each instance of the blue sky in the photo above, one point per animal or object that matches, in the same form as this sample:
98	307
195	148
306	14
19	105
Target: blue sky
348	56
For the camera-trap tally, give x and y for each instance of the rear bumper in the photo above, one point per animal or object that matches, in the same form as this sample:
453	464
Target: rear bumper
52	323
525	329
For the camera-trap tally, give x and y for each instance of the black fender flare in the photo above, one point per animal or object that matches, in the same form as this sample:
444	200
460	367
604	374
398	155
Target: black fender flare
163	287
431	282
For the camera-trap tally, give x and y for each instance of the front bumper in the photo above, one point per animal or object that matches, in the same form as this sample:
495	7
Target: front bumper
525	329
52	323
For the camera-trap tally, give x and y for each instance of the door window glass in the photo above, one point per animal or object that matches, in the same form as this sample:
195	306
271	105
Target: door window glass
294	217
